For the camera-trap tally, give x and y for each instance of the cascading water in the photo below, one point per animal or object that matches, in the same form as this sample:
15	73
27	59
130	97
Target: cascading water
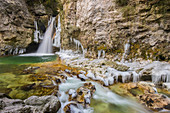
102	93
46	45
57	36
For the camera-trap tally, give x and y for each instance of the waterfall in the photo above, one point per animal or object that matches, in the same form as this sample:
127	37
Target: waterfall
101	93
57	36
46	44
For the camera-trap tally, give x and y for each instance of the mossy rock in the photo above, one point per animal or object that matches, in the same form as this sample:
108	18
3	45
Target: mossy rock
122	2
128	11
120	67
136	92
101	47
52	6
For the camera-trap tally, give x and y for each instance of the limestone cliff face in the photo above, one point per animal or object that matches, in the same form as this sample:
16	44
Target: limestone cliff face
16	25
110	24
17	22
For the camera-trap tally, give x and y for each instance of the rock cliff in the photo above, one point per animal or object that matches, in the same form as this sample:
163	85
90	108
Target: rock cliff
16	25
110	24
124	29
17	22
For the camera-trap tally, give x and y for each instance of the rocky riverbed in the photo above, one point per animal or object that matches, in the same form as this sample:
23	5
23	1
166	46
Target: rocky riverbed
76	84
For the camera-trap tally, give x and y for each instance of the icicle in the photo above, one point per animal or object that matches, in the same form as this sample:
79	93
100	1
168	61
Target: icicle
125	76
21	51
10	52
57	37
71	39
78	44
99	53
36	32
135	76
126	50
15	51
103	53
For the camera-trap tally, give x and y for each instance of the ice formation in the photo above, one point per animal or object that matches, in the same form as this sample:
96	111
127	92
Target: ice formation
78	45
101	53
57	36
37	34
126	51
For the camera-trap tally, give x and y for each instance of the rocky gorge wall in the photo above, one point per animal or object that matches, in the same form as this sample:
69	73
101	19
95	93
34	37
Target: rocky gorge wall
17	23
110	24
99	25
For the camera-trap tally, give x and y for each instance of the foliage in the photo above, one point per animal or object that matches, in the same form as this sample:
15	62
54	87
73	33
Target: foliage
122	2
53	5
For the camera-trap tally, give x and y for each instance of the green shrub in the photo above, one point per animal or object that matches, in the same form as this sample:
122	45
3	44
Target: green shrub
122	2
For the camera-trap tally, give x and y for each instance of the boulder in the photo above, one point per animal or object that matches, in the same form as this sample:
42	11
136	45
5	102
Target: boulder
155	101
32	104
45	103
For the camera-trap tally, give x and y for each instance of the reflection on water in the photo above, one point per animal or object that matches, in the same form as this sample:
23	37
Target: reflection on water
17	84
26	59
104	107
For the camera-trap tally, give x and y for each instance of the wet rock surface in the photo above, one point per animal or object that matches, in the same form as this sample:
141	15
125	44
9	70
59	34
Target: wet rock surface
73	83
145	93
155	101
98	70
83	94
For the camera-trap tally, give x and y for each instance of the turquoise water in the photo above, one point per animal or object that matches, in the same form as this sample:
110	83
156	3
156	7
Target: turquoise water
15	64
13	78
26	59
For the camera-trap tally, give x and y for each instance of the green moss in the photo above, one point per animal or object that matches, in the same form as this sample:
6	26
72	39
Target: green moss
101	47
136	92
128	10
161	6
119	51
122	2
53	5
